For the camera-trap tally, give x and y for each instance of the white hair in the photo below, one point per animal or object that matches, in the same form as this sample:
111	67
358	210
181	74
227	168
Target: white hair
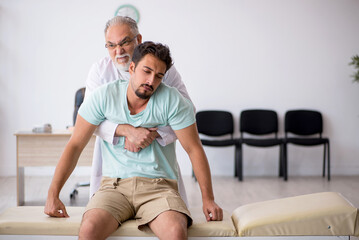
118	20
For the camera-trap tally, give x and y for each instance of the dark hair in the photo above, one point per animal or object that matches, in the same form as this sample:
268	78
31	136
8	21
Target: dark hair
160	51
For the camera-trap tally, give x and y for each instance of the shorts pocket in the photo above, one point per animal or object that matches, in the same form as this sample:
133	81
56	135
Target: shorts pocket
167	183
108	183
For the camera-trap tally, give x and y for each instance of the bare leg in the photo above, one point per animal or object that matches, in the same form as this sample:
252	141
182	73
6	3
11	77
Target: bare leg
170	225
97	224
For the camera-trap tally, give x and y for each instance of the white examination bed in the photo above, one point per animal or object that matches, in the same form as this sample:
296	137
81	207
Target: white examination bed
316	216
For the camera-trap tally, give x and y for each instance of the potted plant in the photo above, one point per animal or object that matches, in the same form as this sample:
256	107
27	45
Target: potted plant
355	62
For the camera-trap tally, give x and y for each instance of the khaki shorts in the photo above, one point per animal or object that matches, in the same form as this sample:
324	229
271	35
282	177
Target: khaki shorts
138	197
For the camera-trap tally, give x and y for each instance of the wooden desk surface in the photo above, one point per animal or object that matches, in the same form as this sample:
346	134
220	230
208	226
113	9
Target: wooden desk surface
45	149
55	132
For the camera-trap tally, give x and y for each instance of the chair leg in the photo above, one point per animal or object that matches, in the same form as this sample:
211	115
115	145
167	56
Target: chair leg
280	161
285	162
328	161
235	163
324	158
239	162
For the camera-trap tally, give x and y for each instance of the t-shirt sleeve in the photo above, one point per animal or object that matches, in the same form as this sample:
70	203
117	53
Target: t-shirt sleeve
181	113
93	107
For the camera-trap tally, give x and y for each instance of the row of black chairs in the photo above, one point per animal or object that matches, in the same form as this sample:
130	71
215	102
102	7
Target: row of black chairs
301	127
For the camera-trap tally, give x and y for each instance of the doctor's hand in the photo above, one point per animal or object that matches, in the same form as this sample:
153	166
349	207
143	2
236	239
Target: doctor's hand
212	211
55	208
129	146
139	138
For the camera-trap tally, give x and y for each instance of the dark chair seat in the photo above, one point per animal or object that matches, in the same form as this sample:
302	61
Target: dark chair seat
270	142
307	141
218	143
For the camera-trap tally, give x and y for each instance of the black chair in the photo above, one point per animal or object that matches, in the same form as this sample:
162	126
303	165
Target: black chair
217	125
79	98
305	124
258	122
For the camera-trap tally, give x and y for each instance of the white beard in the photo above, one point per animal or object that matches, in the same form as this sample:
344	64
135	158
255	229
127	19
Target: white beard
124	66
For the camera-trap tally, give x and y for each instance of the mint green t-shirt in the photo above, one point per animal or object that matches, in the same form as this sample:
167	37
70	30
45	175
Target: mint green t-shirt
165	107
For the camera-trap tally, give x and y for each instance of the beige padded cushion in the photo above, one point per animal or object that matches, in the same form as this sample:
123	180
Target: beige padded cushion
202	228
326	213
314	214
33	221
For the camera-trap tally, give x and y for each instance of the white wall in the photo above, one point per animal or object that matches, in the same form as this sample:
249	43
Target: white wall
232	55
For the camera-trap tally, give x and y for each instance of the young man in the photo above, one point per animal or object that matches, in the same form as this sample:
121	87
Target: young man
141	185
122	36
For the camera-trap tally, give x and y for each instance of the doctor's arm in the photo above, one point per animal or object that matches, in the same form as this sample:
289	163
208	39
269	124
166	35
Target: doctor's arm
68	160
191	143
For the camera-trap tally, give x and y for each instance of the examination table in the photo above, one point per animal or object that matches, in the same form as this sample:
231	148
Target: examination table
326	215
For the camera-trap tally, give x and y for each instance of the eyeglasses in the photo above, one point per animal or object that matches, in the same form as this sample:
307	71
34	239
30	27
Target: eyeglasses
123	43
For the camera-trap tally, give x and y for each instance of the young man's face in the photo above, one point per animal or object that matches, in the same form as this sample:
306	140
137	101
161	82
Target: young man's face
121	42
147	75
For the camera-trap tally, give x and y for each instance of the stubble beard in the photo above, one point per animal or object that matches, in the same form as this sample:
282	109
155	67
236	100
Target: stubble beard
143	95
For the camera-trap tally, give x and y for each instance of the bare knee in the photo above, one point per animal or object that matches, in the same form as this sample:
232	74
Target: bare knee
88	230
170	225
97	224
178	230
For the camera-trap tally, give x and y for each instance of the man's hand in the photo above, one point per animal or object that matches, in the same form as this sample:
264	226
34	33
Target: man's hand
55	208
137	138
212	211
81	136
129	146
